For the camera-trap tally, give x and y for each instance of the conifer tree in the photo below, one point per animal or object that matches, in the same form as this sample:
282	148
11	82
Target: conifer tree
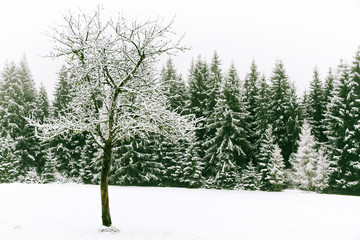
341	123
198	99
17	101
11	102
226	152
42	111
72	151
174	87
309	164
271	163
328	87
27	142
305	106
317	107
9	161
49	171
136	162
284	112
191	168
321	179
62	94
251	99
215	80
250	178
276	175
63	145
262	109
266	149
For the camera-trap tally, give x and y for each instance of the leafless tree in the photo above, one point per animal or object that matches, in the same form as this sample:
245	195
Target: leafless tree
116	94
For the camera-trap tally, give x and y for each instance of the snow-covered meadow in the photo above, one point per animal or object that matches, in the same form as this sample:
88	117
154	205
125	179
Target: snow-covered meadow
70	211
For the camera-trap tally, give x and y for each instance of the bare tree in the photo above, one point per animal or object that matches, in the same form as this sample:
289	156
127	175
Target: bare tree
116	92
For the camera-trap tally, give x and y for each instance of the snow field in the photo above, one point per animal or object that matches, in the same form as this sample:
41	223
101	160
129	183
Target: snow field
72	212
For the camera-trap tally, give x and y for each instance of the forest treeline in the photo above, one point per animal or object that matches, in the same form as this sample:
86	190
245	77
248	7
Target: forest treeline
253	133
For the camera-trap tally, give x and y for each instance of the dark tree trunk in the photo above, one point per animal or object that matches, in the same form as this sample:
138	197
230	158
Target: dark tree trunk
106	218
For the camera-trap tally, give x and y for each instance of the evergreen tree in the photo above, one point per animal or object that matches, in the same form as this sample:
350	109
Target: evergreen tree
17	101
328	87
225	153
87	164
309	165
198	97
341	120
73	152
305	106
175	89
284	112
276	175
62	94
262	109
215	80
49	170
271	163
191	168
317	107
42	111
250	178
11	102
266	150
9	161
321	179
251	99
136	164
27	142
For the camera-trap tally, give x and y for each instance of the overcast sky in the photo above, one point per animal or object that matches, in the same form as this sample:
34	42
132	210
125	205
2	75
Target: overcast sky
302	33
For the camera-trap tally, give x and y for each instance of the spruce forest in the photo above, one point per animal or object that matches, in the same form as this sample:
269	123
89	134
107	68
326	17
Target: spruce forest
253	132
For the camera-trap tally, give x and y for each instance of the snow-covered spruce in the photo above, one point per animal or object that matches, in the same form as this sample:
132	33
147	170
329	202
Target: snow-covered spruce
310	166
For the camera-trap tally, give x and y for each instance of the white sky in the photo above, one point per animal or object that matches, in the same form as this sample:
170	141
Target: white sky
302	33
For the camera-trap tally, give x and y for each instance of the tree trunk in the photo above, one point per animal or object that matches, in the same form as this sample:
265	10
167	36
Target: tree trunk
106	218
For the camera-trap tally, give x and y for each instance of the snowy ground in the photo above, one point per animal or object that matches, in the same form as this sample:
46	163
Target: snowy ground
69	211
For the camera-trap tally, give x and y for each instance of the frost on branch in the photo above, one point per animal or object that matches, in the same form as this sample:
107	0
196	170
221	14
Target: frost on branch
116	93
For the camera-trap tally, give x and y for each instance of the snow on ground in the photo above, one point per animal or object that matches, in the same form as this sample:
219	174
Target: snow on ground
72	212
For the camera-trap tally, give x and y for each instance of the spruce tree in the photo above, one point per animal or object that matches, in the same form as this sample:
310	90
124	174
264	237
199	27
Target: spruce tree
305	107
284	112
317	107
49	171
17	101
276	175
62	94
11	102
198	90
343	144
266	149
9	161
191	167
27	142
225	153
42	112
328	88
310	166
136	162
250	178
251	99
215	80
73	152
174	87
262	109
271	163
